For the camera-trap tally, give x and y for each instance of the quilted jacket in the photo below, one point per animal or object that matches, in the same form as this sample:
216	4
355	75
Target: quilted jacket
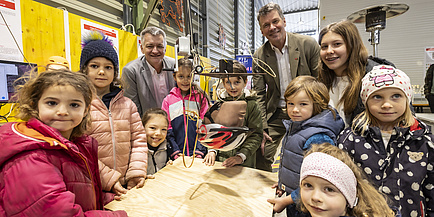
122	148
44	174
402	169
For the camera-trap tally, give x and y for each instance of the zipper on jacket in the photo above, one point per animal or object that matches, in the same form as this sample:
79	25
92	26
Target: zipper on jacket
185	128
113	138
153	160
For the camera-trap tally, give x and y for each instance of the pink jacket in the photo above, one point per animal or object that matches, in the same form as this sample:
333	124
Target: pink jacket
122	148
44	174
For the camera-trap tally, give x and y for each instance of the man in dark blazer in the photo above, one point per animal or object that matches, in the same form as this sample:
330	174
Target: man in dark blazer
146	84
283	57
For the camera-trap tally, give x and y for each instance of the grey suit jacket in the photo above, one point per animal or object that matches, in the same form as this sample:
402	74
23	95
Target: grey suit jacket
303	59
139	86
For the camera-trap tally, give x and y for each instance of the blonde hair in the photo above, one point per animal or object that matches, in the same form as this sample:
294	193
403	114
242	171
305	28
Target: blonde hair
366	119
357	60
371	203
315	90
30	92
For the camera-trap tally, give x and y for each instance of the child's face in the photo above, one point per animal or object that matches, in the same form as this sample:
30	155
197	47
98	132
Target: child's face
322	198
183	79
334	52
387	105
101	72
62	107
299	107
234	86
156	130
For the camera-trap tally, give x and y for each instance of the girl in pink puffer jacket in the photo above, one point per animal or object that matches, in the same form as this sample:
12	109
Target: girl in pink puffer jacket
116	124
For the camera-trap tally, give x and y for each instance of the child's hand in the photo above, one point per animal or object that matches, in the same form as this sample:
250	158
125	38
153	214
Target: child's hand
170	162
280	203
209	159
232	161
176	156
118	190
279	192
138	182
198	156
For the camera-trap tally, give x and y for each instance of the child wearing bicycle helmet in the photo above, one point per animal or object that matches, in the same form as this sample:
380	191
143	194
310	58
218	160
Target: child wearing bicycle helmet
244	154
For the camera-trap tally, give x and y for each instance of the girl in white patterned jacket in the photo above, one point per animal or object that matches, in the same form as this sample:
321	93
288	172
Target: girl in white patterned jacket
390	145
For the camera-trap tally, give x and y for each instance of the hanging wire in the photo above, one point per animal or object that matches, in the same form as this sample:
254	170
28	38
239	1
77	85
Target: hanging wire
15	40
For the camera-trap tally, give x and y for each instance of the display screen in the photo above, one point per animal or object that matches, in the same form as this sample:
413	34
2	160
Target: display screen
9	72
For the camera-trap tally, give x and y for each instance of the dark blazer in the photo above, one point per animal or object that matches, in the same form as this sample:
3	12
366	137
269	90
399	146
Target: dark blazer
139	86
303	59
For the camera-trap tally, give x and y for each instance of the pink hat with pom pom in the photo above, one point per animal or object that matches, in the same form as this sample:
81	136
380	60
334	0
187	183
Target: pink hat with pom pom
333	170
383	76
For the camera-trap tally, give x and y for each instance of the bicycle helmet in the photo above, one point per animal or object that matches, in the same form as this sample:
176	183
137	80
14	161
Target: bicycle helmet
57	62
219	137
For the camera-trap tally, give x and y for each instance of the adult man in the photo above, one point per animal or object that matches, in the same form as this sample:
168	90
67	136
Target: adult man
145	81
288	55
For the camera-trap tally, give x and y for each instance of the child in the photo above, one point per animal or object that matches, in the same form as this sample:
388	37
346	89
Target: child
116	124
313	121
185	105
245	154
331	184
393	148
156	124
48	166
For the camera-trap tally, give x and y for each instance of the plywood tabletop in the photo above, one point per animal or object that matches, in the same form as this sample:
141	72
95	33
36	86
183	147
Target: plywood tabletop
201	191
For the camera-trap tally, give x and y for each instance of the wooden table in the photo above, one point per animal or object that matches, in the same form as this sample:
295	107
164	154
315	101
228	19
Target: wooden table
201	191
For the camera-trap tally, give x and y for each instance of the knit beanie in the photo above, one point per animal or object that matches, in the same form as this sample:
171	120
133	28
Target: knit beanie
383	76
333	170
96	44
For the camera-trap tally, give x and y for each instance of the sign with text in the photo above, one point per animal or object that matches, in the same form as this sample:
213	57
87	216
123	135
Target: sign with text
11	39
112	34
246	60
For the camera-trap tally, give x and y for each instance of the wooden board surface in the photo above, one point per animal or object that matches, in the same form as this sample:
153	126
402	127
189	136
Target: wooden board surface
201	191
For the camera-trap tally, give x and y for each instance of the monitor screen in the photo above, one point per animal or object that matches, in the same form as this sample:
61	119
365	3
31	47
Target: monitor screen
9	72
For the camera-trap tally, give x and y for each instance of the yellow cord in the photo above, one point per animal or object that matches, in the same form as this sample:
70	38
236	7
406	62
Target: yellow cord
186	128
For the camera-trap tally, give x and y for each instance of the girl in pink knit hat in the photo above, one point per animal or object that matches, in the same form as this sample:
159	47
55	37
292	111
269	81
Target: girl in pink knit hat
390	145
331	184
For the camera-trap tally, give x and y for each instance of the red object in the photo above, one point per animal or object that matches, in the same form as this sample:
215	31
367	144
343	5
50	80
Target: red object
7	4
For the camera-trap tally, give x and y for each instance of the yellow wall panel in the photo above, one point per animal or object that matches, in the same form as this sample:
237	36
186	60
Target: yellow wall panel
127	48
43	34
75	40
